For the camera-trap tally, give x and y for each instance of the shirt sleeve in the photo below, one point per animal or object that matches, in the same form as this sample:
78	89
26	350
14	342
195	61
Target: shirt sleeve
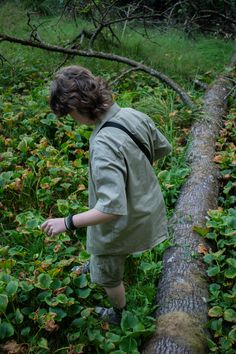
161	145
109	178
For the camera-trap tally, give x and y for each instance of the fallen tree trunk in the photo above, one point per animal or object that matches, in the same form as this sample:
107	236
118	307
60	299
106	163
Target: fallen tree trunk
182	290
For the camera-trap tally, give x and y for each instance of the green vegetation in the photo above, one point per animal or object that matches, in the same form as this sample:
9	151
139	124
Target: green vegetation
221	260
172	52
44	307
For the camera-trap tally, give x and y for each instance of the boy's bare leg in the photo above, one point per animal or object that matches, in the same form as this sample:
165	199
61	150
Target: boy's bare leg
117	296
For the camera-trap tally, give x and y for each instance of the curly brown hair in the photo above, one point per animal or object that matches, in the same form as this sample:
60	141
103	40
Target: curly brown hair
75	88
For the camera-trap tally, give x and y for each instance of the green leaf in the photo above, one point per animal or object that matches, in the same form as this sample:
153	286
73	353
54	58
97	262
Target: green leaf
215	311
231	261
44	295
27	310
83	293
225	345
214	287
83	256
79	348
44	281
49	120
128	345
211	236
212	271
113	337
19	318
81	281
3	302
230	273
216	326
60	313
146	266
107	346
74	336
130	322
87	312
63	206
76	308
6	330
11	288
208	258
232	334
62	298
25	331
95	335
4	250
43	343
25	144
230	315
5	277
79	322
26	286
211	345
202	231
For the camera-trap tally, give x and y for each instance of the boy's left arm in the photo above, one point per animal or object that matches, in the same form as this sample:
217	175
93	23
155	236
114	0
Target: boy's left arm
161	145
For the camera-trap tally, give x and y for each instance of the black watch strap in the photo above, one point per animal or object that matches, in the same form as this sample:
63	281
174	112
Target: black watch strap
69	223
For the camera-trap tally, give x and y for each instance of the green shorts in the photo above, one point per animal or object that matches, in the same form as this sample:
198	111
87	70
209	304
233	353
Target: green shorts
107	271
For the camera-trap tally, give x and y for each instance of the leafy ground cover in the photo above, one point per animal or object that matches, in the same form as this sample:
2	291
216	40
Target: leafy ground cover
44	306
221	235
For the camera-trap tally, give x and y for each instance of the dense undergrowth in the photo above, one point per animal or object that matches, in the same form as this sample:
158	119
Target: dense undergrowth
44	173
221	235
44	307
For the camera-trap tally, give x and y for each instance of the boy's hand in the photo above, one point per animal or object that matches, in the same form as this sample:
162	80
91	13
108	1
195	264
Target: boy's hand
52	227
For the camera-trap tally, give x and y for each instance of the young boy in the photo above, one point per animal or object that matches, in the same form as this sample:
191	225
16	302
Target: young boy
126	208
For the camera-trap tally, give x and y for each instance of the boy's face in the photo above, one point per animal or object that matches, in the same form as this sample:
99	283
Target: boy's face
80	118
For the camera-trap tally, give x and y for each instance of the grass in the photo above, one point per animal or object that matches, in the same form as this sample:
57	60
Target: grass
174	54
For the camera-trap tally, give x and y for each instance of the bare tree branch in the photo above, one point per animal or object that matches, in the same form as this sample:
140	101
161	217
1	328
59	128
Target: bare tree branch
119	20
200	84
124	73
107	56
34	29
230	19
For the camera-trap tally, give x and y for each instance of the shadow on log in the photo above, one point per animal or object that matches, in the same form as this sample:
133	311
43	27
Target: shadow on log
182	290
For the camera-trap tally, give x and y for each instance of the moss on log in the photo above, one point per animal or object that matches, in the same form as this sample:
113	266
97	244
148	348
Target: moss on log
182	290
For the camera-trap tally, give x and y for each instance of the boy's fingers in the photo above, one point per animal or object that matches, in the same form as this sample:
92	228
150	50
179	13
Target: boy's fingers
44	225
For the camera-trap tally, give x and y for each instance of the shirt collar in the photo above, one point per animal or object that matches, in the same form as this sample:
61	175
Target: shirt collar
112	111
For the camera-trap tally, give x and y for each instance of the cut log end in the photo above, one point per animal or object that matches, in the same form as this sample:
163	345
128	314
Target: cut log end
178	332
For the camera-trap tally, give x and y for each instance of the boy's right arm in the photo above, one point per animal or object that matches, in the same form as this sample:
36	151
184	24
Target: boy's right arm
91	217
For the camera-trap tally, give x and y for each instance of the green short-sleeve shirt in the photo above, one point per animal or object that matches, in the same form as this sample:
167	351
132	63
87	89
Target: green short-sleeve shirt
122	182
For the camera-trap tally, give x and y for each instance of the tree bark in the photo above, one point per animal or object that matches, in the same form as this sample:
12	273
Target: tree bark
107	56
183	290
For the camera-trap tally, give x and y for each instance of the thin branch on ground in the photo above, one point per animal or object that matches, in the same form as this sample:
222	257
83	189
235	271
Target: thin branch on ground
124	73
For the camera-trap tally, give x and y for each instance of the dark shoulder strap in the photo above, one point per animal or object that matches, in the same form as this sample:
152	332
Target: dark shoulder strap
132	136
